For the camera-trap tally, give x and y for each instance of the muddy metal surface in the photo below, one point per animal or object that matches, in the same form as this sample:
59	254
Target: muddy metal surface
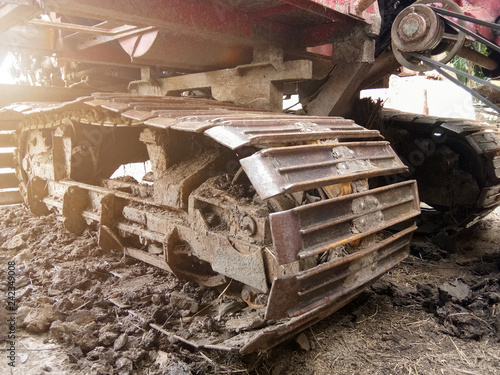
84	311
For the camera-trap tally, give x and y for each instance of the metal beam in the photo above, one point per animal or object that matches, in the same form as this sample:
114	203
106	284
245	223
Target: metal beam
335	10
95	41
258	85
353	60
205	18
81	28
318	35
273	11
21	93
12	15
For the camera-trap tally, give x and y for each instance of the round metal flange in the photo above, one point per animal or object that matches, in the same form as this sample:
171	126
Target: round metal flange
419	29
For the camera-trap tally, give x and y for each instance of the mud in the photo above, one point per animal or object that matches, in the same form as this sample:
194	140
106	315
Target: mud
84	311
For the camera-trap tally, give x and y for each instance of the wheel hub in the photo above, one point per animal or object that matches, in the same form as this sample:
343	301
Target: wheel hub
417	29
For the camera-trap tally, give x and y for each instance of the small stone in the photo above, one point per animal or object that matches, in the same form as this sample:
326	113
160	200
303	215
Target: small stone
170	365
21	314
96	353
245	323
124	366
72	328
39	320
81	317
57	330
63	305
107	335
183	302
101	368
15	243
77	301
456	291
101	314
303	342
86	341
157	299
74	354
121	341
47	368
136	354
46	300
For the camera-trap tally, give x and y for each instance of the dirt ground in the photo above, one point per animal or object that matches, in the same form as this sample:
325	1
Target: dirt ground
82	311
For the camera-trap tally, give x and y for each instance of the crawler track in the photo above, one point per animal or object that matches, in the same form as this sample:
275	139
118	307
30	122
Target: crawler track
456	163
286	213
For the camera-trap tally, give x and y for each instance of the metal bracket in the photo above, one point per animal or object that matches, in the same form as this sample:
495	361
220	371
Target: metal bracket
255	85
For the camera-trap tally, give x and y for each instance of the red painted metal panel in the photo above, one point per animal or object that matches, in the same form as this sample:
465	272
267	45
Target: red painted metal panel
272	11
185	16
334	9
486	10
321	34
199	34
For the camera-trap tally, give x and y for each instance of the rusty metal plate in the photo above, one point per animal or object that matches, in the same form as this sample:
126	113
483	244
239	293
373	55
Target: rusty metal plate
140	116
97	102
278	132
494	169
484	142
161	122
200	122
109	95
116	107
183	112
425	120
322	226
287	169
20	107
187	125
489	197
297	294
461	127
404	117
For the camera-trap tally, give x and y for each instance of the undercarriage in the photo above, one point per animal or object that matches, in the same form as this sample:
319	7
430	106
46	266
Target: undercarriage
287	211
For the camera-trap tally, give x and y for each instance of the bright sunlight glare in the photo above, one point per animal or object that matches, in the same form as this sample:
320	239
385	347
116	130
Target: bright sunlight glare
5	76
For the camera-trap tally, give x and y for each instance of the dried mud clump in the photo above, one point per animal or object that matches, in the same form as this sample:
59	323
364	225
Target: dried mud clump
438	312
